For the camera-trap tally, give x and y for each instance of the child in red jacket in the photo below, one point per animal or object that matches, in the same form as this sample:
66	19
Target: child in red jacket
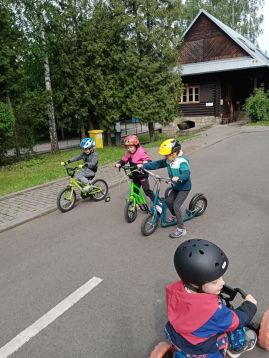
199	323
136	154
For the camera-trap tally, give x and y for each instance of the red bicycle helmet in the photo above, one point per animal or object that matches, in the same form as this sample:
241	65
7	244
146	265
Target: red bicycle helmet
131	140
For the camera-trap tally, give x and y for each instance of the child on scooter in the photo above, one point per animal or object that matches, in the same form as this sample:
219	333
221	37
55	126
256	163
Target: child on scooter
136	154
179	171
199	323
90	163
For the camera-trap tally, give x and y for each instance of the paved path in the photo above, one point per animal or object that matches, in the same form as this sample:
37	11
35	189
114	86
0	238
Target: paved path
26	205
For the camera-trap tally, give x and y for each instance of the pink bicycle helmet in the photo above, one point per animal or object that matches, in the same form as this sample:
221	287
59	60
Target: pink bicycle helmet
131	140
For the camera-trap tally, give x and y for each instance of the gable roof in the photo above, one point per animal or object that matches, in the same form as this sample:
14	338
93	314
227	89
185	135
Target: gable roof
255	59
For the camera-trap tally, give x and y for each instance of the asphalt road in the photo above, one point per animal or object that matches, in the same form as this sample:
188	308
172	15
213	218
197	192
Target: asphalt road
44	261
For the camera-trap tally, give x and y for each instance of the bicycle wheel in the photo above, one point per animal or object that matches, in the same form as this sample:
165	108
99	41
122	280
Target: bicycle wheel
100	189
66	199
150	224
198	203
130	211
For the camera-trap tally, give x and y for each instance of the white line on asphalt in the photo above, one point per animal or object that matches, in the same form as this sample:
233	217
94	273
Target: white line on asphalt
31	331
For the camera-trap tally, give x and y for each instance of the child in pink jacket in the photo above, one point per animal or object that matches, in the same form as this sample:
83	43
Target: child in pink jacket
136	154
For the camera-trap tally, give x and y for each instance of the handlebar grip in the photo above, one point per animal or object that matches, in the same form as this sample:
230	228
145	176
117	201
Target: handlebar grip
241	292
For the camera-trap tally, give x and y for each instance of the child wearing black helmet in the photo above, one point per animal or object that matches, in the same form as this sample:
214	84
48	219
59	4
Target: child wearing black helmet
179	171
199	324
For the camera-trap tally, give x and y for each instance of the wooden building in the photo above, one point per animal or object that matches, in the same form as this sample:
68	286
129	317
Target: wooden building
220	69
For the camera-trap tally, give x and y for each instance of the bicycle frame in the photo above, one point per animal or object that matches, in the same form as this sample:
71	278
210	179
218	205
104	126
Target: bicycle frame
75	183
136	192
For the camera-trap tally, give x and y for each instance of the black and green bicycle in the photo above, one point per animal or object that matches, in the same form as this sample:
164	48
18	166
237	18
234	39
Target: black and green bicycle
136	197
67	197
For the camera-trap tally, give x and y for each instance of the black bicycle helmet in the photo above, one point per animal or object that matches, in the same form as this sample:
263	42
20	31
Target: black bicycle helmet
199	261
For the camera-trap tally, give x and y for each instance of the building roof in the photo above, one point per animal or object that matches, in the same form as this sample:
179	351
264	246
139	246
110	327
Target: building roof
257	57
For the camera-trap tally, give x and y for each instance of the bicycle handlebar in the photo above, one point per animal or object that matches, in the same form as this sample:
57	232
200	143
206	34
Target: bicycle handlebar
158	177
228	293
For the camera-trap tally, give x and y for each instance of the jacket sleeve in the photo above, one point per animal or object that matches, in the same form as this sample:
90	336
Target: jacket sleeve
245	313
124	159
223	320
184	172
157	164
75	159
92	161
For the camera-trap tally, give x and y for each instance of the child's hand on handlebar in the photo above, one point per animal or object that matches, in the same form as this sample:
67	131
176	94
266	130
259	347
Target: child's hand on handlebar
139	166
175	179
250	298
117	165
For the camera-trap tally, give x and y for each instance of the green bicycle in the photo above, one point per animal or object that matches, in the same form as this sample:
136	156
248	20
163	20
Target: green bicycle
67	197
136	197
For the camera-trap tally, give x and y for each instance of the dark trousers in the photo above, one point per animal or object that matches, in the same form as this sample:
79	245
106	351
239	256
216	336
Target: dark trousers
174	202
144	182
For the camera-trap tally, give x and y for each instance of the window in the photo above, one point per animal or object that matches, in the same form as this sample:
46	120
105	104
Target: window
190	95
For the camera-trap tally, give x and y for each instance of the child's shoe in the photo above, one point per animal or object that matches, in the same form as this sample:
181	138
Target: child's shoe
251	340
87	188
171	219
178	233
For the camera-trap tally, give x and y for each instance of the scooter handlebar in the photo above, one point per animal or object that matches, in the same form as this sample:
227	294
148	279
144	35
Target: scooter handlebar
157	177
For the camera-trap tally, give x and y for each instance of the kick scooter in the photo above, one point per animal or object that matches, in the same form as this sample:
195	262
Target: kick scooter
197	207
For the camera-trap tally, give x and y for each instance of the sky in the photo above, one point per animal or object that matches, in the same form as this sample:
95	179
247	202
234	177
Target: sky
263	40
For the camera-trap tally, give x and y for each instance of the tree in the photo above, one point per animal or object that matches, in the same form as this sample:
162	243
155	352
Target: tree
33	18
153	84
7	122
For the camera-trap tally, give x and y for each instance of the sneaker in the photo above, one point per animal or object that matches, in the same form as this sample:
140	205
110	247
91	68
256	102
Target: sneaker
178	233
159	209
171	219
87	188
251	340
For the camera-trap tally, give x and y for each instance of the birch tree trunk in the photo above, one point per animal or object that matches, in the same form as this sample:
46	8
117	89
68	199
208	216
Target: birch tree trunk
52	123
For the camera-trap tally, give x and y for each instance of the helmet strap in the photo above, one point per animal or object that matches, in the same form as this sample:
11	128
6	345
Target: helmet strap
193	288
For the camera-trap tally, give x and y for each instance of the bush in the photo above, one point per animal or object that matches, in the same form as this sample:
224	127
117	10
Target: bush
257	106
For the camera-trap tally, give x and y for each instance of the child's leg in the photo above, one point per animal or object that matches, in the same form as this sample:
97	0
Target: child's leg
170	201
179	200
80	176
147	190
240	341
137	182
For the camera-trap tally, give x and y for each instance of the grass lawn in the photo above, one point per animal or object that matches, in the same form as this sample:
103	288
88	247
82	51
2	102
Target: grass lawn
260	123
44	168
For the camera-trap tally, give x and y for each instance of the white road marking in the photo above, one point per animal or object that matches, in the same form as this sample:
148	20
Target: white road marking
31	331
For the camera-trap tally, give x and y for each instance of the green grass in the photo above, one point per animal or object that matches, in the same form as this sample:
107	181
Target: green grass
259	123
44	168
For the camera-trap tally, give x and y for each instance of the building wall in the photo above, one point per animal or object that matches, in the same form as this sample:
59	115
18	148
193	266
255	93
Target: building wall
207	42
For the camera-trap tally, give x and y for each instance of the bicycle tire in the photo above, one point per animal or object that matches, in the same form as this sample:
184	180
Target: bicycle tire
102	186
130	211
69	197
150	224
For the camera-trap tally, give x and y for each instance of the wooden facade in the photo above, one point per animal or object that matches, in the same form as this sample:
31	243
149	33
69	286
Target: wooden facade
217	92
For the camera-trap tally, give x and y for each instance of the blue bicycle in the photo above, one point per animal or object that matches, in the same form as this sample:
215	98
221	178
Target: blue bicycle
197	207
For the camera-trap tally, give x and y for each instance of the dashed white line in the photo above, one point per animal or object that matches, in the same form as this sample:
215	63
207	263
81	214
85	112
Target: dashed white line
31	331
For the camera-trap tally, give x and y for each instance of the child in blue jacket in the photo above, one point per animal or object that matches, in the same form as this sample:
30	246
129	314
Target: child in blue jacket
199	323
179	171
